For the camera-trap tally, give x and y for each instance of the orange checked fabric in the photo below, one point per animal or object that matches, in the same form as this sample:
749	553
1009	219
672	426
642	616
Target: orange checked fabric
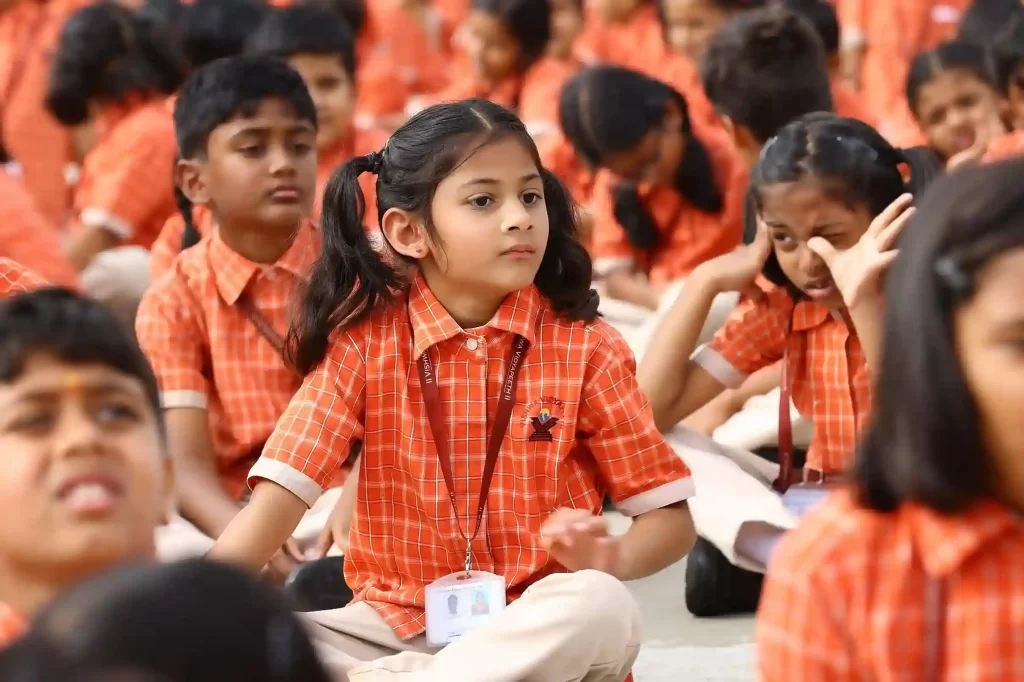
831	383
1005	147
208	354
847	596
27	237
16	279
12	625
580	426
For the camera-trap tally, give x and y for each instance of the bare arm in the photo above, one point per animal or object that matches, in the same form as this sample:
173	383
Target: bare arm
260	529
730	401
656	540
628	286
87	242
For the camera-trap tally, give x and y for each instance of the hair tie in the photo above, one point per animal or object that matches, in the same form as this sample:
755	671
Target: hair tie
376	161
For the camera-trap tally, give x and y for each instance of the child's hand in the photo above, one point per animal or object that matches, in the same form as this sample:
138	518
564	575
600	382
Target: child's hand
989	130
856	271
738	270
281	565
579	540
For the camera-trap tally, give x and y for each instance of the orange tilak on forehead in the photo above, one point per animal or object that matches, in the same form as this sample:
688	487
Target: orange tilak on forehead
72	381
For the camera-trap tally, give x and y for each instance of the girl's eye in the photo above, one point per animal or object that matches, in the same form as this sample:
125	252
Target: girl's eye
781	238
481	201
531	198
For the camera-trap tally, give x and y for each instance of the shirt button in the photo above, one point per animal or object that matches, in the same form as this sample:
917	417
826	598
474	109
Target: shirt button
472	344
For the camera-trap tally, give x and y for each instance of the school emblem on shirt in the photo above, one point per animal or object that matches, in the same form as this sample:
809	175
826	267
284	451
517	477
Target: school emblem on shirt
543	416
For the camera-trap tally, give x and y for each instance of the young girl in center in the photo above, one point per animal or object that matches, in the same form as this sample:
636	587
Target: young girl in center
492	347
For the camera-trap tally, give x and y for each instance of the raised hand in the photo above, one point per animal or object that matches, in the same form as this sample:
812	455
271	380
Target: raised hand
738	270
579	540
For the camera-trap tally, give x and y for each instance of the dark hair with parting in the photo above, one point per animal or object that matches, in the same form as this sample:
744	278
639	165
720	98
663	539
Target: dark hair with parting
853	163
821	15
107	54
984	20
948	56
35	659
528	21
216	623
1008	52
305	29
75	329
925	441
221	91
352	11
352	278
214	29
765	68
606	110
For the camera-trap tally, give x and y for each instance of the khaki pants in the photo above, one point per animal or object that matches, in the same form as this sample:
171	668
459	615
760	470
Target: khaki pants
179	539
566	627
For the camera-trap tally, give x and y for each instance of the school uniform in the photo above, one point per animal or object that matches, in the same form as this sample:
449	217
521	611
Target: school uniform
910	595
829	383
466	83
168	244
580	426
29	36
630	44
27	237
540	93
208	354
849	104
17	279
1005	147
12	625
688	237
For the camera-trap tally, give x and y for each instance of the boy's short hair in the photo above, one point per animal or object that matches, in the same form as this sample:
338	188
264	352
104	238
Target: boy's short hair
230	87
821	15
305	30
74	329
214	29
765	68
352	11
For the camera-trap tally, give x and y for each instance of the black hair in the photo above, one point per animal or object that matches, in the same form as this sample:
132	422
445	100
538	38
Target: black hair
305	30
352	11
820	14
765	68
853	162
924	443
352	278
169	12
608	109
948	56
529	21
215	29
188	621
219	92
1008	51
108	54
985	19
75	329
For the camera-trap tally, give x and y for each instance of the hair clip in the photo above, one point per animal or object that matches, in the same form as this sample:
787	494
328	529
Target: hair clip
953	277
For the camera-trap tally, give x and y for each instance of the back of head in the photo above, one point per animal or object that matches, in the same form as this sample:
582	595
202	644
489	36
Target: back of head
985	19
820	14
948	56
352	11
850	160
304	30
766	68
1008	50
191	621
75	329
107	55
214	29
528	21
925	441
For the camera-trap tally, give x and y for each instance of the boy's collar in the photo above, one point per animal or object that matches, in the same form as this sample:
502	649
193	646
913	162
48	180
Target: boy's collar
233	272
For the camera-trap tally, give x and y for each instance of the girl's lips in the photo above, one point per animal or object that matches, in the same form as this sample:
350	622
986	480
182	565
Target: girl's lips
820	290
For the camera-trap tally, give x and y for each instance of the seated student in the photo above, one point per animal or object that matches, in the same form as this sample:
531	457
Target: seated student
86	474
667	198
215	624
212	326
954	98
918	562
538	98
821	14
621	32
1008	54
500	285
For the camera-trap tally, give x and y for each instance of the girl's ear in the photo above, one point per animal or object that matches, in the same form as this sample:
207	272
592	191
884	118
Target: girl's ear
190	177
405	233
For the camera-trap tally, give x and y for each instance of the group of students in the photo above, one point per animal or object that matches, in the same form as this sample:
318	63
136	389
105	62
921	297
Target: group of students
360	247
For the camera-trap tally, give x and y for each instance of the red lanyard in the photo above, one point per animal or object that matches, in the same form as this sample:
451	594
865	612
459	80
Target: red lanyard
435	415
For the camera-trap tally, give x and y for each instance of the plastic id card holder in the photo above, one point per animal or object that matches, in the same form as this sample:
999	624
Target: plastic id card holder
460	602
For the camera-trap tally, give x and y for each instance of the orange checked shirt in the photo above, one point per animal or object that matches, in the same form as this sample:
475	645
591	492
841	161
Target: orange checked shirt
829	380
27	237
848	596
207	353
127	184
12	625
404	534
16	279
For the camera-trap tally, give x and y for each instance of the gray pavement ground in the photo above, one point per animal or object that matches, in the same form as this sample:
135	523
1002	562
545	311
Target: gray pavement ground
679	647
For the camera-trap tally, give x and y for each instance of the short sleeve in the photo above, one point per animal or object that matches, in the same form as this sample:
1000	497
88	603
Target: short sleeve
642	471
171	333
609	245
753	336
166	247
130	180
313	437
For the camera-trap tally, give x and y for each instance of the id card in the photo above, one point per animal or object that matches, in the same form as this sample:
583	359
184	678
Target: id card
460	602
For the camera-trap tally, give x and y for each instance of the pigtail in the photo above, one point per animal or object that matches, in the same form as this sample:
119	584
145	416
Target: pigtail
566	270
350	279
696	179
924	166
632	215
